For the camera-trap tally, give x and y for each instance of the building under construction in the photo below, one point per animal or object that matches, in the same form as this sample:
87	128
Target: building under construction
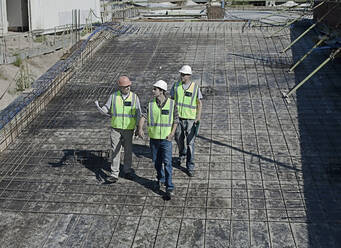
267	153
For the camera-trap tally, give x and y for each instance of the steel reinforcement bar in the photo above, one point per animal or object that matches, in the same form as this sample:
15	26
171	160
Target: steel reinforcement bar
14	121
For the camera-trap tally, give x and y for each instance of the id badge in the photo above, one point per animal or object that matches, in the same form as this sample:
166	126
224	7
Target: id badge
165	112
127	103
187	93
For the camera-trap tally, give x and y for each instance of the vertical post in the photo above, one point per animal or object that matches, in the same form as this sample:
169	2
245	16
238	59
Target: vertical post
3	17
75	27
90	20
54	37
71	33
79	24
1	50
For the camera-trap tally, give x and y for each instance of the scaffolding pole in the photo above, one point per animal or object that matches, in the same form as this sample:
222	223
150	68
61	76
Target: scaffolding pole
310	28
331	57
308	53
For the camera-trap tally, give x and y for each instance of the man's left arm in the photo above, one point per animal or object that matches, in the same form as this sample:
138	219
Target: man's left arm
138	110
171	135
171	93
174	125
199	106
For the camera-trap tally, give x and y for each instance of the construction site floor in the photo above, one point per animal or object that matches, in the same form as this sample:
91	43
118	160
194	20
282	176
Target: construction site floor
267	172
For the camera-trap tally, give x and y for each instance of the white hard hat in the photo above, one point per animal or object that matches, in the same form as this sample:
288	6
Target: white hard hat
186	69
161	84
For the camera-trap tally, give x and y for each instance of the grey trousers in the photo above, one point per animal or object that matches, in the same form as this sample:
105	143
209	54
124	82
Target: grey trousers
119	138
185	137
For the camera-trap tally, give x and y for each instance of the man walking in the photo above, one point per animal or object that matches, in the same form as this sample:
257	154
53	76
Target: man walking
187	96
125	110
162	117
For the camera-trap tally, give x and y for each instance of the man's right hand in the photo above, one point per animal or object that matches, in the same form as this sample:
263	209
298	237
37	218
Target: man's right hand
140	133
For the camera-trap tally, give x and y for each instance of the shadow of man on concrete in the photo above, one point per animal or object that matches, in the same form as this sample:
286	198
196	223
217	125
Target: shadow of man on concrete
147	183
98	162
141	151
177	165
95	161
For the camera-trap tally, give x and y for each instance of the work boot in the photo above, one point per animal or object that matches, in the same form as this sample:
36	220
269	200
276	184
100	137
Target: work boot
129	175
157	185
181	159
190	173
169	194
111	179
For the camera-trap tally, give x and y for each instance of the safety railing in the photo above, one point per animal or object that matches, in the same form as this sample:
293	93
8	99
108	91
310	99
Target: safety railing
34	43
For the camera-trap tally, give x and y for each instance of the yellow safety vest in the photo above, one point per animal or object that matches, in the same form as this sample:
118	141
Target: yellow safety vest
160	121
186	100
123	111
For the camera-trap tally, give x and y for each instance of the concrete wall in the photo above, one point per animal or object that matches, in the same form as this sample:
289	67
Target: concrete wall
3	18
47	14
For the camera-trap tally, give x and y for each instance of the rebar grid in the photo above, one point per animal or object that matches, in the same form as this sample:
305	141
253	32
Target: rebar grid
260	180
23	110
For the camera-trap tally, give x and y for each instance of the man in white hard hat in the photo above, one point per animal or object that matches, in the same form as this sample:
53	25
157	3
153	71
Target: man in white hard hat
124	108
187	96
162	117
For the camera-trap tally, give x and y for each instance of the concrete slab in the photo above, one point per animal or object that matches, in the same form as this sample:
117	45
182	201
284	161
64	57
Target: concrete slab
264	168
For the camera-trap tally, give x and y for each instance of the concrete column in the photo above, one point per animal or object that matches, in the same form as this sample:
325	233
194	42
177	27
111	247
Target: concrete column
3	18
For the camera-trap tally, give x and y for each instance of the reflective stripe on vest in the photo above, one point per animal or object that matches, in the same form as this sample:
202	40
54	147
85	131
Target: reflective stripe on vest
186	100
160	121
123	111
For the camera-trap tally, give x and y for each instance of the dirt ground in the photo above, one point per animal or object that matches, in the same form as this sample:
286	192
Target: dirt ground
37	66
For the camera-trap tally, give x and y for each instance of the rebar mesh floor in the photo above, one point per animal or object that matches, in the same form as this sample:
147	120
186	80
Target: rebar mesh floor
266	171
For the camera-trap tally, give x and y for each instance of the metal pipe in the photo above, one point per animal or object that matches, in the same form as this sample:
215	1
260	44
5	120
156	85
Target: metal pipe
315	7
310	28
308	53
293	21
331	56
79	24
288	24
71	34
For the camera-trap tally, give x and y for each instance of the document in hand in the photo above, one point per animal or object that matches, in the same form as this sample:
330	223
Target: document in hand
101	109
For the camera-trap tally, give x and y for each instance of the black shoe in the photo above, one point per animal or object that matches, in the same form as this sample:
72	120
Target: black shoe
181	159
190	173
169	194
129	176
157	185
112	179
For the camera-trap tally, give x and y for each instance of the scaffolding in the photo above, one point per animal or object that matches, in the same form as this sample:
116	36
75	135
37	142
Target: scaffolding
326	14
